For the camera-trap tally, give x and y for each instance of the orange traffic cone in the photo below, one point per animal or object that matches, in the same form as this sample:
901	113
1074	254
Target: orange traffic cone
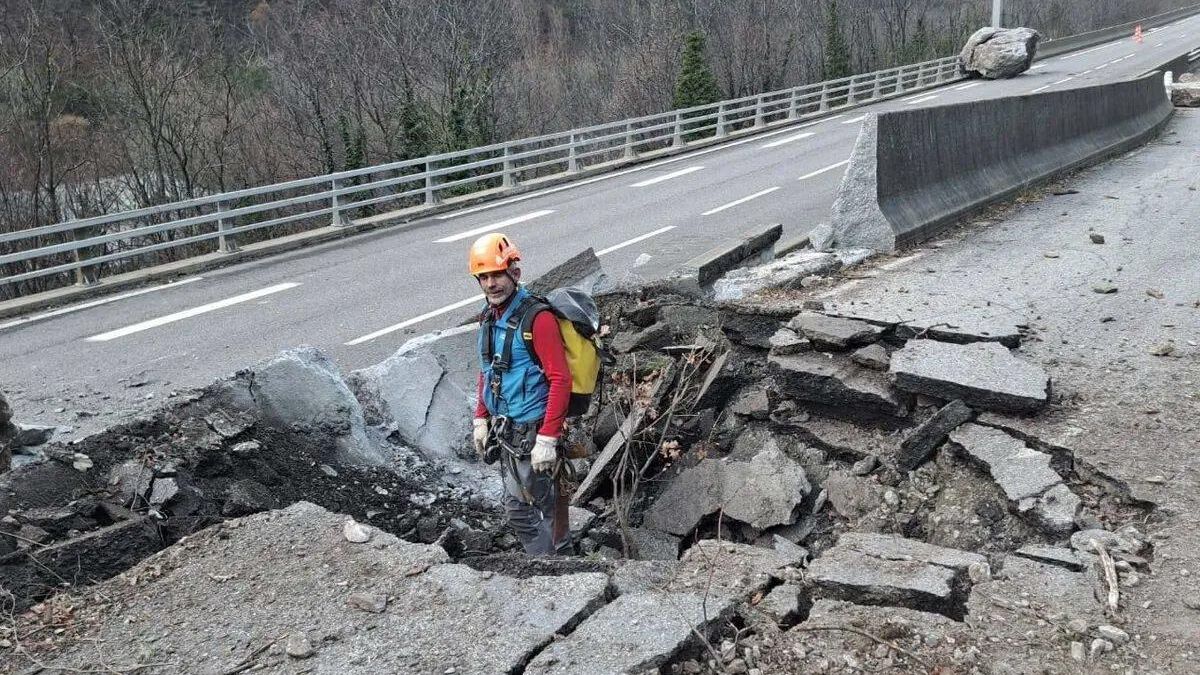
1137	34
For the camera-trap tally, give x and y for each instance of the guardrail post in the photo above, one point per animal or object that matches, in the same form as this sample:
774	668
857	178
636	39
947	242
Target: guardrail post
876	90
677	137
630	150
850	100
431	196
793	105
82	278
572	156
899	81
336	217
759	113
824	98
721	130
226	243
509	176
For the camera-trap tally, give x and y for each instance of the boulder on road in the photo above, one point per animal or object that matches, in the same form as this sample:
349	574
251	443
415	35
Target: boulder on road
1185	94
995	53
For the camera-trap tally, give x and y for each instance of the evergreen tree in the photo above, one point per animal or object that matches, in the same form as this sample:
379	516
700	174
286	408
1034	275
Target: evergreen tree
696	84
837	52
918	46
354	144
414	132
459	135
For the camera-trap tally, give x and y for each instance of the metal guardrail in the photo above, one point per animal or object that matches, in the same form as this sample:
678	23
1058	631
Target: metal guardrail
111	244
92	248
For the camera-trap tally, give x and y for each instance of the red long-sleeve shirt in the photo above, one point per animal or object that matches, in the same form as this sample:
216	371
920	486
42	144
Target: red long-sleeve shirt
548	345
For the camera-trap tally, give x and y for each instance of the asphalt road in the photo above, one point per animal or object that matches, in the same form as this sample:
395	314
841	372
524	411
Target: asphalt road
359	299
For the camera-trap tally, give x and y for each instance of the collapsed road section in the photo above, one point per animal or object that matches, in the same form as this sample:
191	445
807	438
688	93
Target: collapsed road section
752	462
912	474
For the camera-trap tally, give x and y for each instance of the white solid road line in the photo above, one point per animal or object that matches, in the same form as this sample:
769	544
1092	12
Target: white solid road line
494	226
789	139
667	176
642	167
818	172
635	240
479	298
964	87
855	120
922	99
416	319
1103	66
188	313
1065	79
1038	66
743	200
1041	88
94	303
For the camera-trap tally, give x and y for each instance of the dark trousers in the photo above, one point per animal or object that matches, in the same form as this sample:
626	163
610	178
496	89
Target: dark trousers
534	505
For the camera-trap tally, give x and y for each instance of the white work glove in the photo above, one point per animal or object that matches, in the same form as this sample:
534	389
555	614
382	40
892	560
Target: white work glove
479	435
544	453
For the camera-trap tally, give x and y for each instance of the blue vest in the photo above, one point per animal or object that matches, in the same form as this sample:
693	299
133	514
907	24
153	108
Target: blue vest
524	390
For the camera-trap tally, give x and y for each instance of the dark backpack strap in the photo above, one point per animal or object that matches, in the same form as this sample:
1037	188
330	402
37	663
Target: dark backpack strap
526	316
486	322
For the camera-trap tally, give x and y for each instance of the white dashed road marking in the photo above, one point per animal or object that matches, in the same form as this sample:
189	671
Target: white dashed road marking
743	200
94	303
667	176
818	172
494	226
188	313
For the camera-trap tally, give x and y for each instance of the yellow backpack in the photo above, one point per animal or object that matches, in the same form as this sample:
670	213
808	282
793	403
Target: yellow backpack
579	322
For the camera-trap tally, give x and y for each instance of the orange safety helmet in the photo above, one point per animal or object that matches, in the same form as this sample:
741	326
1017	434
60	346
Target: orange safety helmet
492	253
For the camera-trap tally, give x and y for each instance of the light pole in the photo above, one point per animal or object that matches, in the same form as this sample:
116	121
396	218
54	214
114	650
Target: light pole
997	12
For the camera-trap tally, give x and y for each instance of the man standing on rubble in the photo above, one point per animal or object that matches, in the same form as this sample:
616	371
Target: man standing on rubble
522	405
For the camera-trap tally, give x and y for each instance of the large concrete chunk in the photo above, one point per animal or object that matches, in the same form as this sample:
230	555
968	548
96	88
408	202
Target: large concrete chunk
983	374
995	53
831	332
426	390
762	492
301	390
876	569
925	439
636	632
840	388
385	607
1020	471
786	272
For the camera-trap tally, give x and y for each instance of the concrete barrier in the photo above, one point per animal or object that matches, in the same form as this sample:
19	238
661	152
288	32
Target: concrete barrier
755	245
913	172
1068	44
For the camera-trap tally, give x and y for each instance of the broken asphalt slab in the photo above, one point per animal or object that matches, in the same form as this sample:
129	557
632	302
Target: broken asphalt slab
880	569
834	333
383	606
1020	471
920	445
838	387
984	375
635	633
